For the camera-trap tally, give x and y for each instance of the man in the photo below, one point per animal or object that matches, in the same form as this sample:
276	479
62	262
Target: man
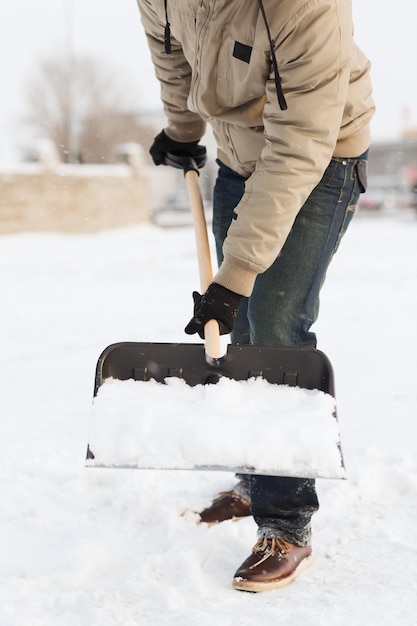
288	96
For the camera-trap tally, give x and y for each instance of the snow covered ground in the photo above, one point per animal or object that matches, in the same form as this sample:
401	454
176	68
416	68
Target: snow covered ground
94	547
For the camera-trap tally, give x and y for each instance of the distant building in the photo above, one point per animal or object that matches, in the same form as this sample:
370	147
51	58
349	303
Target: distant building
394	157
392	170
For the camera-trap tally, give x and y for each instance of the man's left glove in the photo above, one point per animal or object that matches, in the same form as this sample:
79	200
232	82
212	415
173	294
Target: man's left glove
163	144
217	303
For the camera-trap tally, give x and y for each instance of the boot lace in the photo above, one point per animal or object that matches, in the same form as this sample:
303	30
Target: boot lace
234	495
269	547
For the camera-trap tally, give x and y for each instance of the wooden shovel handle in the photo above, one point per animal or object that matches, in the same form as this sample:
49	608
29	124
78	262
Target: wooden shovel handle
211	329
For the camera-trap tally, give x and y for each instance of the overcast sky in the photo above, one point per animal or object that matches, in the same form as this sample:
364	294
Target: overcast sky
111	30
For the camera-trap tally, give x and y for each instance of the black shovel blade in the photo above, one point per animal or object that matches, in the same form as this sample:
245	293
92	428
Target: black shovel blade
303	367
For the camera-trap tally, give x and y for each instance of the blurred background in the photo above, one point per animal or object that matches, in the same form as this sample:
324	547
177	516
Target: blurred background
79	107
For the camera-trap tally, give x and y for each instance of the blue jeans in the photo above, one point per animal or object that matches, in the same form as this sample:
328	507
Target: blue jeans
281	310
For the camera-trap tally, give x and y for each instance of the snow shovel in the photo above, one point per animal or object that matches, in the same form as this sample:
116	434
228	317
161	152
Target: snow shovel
255	409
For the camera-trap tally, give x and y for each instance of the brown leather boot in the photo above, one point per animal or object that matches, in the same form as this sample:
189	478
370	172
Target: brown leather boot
273	563
227	505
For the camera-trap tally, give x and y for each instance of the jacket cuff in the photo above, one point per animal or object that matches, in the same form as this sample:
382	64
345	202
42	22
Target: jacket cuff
236	276
185	132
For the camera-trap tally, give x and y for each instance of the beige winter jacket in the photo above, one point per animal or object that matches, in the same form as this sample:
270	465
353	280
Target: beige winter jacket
219	71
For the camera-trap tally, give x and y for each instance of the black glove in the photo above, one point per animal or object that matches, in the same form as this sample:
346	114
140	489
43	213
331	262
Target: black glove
217	303
163	144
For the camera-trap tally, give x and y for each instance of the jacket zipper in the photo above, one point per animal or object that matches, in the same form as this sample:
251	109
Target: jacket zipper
201	33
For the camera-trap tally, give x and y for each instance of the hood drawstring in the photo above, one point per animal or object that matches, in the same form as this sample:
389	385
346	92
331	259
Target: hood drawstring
167	33
280	95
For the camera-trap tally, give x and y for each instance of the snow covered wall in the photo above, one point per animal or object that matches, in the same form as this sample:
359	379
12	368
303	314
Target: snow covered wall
72	198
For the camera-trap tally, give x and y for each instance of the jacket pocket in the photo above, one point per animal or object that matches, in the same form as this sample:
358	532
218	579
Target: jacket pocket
242	71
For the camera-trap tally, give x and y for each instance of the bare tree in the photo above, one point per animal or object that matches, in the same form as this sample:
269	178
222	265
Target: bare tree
81	105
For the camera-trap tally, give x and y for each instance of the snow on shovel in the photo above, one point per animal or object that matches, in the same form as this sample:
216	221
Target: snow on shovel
256	409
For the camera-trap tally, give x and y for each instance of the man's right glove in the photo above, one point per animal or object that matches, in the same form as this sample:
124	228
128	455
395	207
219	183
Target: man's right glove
163	144
217	303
